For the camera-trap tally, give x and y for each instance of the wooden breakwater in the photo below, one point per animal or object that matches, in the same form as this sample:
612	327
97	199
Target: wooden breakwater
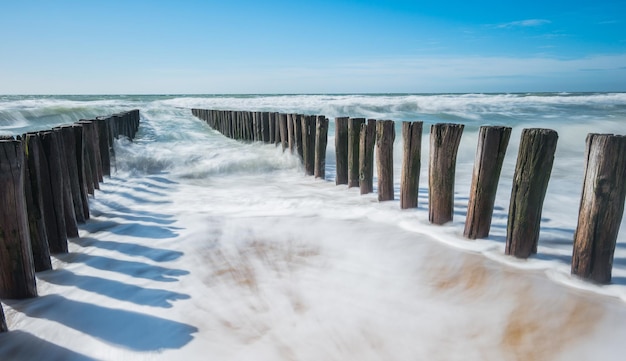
46	178
602	201
303	135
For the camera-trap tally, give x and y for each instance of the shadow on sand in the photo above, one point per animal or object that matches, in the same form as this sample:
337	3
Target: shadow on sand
130	249
129	268
114	289
133	330
19	345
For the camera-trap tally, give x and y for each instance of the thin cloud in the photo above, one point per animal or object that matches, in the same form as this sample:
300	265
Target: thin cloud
524	23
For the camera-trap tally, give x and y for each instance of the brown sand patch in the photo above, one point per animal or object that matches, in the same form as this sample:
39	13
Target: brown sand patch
241	265
469	275
234	268
536	330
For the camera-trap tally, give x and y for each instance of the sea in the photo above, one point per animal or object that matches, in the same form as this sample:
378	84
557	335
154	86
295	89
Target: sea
204	247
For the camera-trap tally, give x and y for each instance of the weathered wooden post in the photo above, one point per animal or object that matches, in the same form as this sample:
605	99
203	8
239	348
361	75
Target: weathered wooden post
385	136
297	135
490	152
115	122
3	321
265	127
69	144
235	124
354	130
17	272
111	136
277	135
282	122
444	145
367	139
411	163
341	150
34	203
223	117
229	125
240	121
272	128
222	122
258	126
52	192
91	171
601	207
71	226
250	116
308	143
291	133
530	182
103	145
82	172
321	141
95	146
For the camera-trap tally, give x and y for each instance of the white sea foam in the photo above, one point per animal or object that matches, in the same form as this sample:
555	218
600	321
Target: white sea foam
200	245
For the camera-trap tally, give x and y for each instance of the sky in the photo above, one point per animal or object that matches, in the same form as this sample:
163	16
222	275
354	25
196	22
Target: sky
276	46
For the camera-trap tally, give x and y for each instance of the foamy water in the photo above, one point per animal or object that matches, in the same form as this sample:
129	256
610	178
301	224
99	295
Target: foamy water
203	247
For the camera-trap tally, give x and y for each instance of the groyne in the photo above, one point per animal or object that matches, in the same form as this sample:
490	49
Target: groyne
46	179
602	201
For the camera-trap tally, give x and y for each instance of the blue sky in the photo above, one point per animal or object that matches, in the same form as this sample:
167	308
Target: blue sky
275	46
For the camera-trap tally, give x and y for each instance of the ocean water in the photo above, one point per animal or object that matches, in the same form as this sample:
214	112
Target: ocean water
199	244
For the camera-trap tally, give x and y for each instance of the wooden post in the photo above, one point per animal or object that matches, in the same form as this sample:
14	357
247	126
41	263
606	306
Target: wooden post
103	144
17	272
297	136
490	152
259	126
240	121
82	172
282	122
265	127
321	141
137	121
34	203
530	181
291	135
95	146
235	120
385	136
230	120
277	133
3	321
444	145
250	124
71	226
91	171
367	139
258	134
224	119
272	128
411	163
601	207
308	143
341	150
69	144
52	192
354	129
111	136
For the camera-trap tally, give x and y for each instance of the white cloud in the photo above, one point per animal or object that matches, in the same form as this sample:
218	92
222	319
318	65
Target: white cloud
524	23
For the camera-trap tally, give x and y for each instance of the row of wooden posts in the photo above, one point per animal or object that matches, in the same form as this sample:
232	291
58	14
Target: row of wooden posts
356	140
45	179
305	135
